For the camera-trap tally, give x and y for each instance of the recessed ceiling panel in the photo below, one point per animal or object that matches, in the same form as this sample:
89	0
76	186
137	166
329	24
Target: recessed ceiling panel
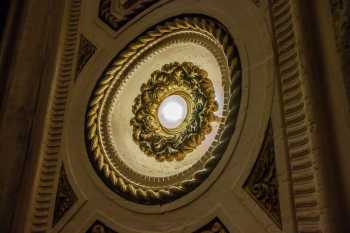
162	114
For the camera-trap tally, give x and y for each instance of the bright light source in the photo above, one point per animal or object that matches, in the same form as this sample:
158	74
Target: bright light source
172	111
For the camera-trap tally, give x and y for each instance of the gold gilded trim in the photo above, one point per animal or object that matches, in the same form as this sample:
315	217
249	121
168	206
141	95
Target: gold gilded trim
188	81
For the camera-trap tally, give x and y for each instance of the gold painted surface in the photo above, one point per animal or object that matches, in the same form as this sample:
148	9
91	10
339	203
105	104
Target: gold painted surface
188	81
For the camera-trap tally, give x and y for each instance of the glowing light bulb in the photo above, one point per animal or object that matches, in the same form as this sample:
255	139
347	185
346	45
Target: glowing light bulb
172	111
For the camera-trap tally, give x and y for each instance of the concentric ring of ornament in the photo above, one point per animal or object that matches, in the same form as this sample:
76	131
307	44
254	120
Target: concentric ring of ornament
188	81
119	177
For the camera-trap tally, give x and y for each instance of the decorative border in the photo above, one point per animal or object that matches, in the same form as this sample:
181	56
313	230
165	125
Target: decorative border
296	116
106	128
44	193
106	15
118	183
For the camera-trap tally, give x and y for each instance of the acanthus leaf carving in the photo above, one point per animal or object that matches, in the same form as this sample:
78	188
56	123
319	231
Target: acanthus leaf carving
125	11
262	183
86	50
65	197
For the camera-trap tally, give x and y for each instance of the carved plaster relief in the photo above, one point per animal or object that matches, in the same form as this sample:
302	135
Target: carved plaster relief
214	226
233	89
116	13
117	158
116	111
65	197
86	50
99	227
262	183
297	114
189	82
48	171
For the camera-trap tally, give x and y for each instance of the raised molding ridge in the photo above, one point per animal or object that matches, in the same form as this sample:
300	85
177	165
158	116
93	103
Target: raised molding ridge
297	114
49	155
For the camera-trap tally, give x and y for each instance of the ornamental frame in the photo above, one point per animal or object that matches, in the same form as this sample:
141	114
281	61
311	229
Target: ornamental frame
152	196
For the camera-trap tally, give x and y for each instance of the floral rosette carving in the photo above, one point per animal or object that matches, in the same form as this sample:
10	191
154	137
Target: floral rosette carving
188	81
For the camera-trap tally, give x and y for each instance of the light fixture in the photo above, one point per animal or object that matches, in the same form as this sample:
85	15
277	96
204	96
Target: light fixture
172	111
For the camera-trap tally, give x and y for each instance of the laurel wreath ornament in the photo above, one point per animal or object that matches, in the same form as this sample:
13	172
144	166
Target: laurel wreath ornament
188	81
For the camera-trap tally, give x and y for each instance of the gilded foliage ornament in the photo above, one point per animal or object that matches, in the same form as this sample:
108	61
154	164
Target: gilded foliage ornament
188	81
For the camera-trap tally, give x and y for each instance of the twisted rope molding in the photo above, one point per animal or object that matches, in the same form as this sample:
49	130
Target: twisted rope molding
137	192
297	118
106	124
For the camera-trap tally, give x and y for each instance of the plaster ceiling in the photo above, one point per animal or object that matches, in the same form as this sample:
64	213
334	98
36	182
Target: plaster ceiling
119	179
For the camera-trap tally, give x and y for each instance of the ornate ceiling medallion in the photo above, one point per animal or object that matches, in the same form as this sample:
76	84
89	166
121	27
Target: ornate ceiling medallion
173	94
185	80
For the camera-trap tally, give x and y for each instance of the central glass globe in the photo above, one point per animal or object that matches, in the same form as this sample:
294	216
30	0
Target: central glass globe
172	111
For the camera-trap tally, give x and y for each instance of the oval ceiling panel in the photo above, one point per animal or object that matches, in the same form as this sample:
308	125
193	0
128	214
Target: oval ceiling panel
161	116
